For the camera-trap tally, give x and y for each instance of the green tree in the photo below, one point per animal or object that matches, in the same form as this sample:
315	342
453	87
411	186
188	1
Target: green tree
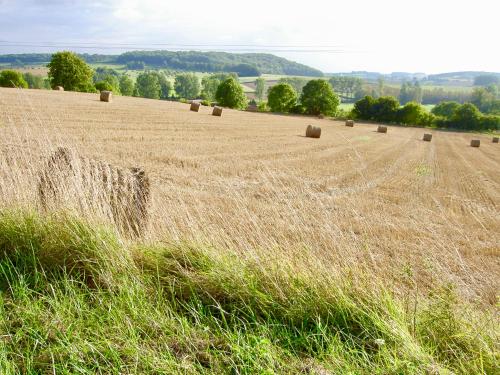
445	109
187	85
363	108
281	98
412	114
484	98
385	109
260	84
148	86
211	83
126	85
230	94
104	86
66	69
467	116
101	73
109	83
318	97
165	85
11	78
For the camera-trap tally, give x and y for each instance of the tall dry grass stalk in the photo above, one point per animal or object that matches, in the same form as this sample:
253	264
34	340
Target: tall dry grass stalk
410	215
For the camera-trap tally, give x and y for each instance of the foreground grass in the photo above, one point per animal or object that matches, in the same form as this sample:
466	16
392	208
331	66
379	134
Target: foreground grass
75	299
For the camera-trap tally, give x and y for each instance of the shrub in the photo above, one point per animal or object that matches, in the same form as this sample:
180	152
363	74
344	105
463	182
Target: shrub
230	94
68	70
411	114
490	122
11	78
467	116
385	109
318	98
363	108
262	107
445	109
281	98
104	86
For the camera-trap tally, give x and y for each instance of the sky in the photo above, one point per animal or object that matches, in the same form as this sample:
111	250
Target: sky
430	36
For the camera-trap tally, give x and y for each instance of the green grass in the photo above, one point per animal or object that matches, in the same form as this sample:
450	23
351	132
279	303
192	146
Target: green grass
77	300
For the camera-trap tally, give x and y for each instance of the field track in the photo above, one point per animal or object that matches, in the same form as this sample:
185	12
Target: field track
411	210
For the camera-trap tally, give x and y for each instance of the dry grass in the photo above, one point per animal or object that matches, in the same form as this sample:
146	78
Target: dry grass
411	213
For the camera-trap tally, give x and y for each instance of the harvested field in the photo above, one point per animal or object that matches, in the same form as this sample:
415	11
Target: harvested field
411	212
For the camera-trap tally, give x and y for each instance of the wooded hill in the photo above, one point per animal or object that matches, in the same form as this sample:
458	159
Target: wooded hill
245	64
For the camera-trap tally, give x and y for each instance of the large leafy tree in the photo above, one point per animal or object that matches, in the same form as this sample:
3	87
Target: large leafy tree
165	85
148	86
211	83
68	70
187	85
126	85
281	98
11	78
318	97
230	94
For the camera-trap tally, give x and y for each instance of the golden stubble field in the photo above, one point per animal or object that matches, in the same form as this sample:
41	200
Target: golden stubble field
412	213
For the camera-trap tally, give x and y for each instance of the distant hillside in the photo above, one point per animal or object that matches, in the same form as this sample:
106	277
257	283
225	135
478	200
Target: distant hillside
245	64
442	79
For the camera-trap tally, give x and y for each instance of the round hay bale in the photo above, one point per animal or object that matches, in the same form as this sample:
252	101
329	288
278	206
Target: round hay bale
122	194
195	106
427	137
475	143
217	111
349	123
382	129
495	139
313	131
59	88
106	96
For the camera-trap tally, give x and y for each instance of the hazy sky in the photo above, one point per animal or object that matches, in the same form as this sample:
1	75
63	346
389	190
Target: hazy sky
383	35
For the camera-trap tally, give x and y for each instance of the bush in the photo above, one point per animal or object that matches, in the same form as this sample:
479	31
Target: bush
490	122
467	116
230	94
262	107
11	78
318	98
385	109
445	109
411	114
363	108
103	86
68	70
281	98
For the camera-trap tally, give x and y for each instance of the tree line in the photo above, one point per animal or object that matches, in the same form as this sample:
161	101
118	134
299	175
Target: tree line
315	97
